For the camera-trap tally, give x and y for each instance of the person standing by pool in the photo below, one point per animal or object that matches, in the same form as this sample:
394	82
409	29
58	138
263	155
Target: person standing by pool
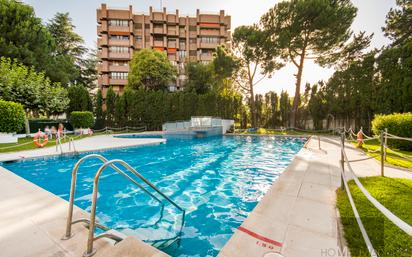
47	131
53	131
60	131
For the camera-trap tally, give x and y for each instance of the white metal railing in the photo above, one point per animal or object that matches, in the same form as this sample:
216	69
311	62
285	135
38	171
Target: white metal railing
386	212
92	221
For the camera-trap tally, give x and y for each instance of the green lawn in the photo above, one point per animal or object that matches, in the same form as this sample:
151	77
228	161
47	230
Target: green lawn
387	239
372	145
30	146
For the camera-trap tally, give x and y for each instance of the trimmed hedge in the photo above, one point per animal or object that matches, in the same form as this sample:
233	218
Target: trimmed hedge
81	119
399	124
12	117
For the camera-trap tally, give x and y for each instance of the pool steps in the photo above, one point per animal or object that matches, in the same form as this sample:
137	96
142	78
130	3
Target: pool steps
91	223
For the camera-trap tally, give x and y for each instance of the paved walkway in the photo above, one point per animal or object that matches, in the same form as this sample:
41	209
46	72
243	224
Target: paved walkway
88	144
297	217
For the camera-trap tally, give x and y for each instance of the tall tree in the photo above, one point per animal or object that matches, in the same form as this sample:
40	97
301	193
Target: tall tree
308	29
80	99
255	54
399	22
284	108
110	106
224	66
151	70
69	49
199	77
23	37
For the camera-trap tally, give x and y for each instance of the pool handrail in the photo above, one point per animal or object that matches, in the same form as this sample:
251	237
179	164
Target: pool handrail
70	221
91	238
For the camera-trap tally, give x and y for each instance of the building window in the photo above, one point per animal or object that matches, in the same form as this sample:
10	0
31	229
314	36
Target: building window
138	39
147	25
118	49
138	26
192	28
158	26
118	75
158	38
118	63
182	54
210	40
192	53
119	23
119	37
182	44
192	40
206	52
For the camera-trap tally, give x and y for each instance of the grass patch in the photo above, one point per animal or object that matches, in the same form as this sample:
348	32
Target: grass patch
31	146
373	145
387	239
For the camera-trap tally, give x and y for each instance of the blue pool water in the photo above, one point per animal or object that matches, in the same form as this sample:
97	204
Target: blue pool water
217	180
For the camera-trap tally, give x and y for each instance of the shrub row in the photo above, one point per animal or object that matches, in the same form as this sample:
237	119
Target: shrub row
12	117
80	119
153	108
399	124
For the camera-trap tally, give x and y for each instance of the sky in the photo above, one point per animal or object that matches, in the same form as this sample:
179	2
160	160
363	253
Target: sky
370	18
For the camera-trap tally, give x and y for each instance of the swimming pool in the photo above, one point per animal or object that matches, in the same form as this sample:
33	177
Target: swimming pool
217	180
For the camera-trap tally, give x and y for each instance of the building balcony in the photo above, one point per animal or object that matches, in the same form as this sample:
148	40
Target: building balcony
171	18
103	80
157	16
103	53
120	56
172	57
102	28
192	34
182	33
206	57
102	41
124	29
103	67
209	32
118	68
158	31
192	46
172	33
122	82
172	45
209	18
158	44
208	45
119	42
138	45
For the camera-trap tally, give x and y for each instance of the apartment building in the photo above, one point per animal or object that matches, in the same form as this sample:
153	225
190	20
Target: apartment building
183	38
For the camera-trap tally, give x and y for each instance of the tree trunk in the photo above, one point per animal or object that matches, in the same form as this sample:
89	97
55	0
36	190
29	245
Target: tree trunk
252	105
296	99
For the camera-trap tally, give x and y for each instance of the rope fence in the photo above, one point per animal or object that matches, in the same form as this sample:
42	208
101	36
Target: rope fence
384	150
386	212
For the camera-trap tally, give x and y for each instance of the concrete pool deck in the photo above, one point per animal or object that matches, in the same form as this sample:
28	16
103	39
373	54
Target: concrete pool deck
88	144
296	217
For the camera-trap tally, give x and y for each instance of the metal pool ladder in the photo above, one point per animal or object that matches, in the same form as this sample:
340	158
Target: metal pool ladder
92	224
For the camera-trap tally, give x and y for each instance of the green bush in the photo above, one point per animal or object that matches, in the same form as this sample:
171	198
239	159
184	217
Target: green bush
81	119
399	124
11	117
